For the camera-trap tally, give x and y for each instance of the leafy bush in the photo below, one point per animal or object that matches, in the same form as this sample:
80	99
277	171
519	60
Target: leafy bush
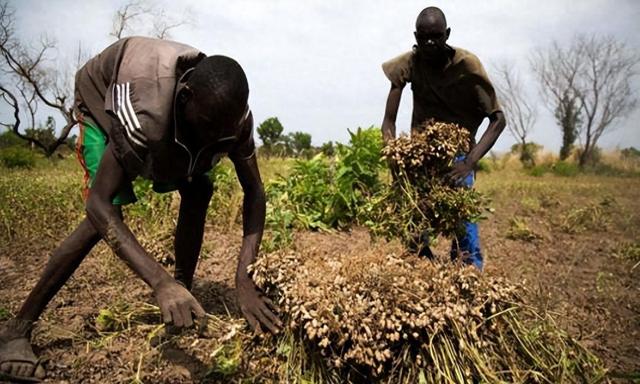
526	152
593	216
538	170
630	153
483	165
10	139
519	230
321	194
565	168
17	157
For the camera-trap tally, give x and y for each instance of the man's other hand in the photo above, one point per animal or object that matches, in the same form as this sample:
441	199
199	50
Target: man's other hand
460	170
255	307
177	305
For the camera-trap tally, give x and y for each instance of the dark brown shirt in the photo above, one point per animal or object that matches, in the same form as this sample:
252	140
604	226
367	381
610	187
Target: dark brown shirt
130	90
459	93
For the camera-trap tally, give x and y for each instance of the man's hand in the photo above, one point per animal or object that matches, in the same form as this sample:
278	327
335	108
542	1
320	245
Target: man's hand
255	307
177	304
460	170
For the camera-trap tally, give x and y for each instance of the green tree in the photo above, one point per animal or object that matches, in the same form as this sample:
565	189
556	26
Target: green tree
527	152
328	148
568	116
300	142
270	132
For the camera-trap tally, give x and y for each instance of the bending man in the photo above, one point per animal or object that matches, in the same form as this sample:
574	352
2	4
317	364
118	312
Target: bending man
166	112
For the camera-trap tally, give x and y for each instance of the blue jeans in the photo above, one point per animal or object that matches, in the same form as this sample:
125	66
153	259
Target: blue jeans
469	241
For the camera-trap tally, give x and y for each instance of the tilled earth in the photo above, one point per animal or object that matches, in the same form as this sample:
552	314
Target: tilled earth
579	269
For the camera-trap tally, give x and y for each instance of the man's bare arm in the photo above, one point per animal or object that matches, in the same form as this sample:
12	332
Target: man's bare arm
391	112
176	303
497	123
252	303
496	126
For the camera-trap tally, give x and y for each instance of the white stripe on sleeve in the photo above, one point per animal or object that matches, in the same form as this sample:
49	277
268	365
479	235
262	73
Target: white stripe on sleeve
124	117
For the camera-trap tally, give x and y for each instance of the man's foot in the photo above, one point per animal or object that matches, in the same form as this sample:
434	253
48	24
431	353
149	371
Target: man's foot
18	363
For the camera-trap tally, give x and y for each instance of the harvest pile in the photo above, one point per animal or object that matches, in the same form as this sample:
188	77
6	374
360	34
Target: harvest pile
379	316
420	199
386	317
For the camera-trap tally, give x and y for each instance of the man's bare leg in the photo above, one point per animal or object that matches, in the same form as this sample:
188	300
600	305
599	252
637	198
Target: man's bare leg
194	200
16	355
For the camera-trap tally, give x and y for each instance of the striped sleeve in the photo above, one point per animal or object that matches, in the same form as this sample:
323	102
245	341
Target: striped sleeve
123	108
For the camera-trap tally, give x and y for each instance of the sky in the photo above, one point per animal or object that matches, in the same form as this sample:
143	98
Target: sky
316	64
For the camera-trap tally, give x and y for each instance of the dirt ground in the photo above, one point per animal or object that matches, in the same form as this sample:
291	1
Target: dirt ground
573	264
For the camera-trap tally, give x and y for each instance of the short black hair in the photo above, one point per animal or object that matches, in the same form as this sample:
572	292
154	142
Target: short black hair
220	80
430	14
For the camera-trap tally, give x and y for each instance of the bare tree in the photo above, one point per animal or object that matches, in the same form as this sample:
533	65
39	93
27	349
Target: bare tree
519	109
30	83
164	23
557	69
127	14
140	12
603	87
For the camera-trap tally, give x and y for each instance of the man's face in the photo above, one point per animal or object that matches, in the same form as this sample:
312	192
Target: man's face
431	39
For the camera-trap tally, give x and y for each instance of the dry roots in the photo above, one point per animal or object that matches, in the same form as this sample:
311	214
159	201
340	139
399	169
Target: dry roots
389	318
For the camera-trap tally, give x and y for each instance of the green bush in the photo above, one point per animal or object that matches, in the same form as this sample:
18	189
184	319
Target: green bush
483	165
321	194
630	153
526	152
17	157
538	170
565	168
10	139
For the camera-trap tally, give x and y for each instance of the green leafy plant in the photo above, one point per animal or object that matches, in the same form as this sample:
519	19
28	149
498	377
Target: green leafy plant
323	194
519	230
17	157
593	216
565	168
5	314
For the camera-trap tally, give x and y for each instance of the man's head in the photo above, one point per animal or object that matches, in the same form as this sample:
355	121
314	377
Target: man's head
214	101
432	33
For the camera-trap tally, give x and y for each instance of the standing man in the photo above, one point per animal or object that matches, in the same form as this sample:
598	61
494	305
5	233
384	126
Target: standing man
450	85
166	112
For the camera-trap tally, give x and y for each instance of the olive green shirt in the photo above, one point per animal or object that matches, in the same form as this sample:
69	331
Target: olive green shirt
459	93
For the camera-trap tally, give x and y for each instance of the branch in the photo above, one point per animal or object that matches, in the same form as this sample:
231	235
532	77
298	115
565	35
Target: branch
13	103
126	13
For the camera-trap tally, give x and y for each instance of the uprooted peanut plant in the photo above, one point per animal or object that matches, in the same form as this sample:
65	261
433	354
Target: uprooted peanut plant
396	318
386	317
420	199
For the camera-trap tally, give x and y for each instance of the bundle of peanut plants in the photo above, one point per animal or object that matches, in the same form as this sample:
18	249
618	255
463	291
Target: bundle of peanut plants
393	318
420	200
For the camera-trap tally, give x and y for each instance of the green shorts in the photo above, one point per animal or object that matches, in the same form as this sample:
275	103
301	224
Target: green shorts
90	148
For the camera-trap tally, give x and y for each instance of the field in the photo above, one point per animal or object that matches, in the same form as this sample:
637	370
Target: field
571	241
